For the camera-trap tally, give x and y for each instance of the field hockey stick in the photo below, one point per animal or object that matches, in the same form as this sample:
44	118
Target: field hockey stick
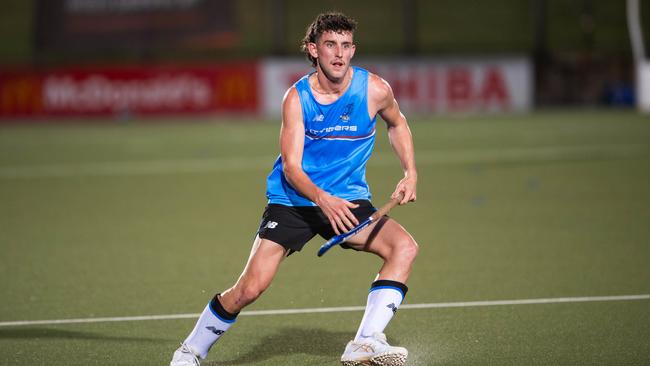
341	238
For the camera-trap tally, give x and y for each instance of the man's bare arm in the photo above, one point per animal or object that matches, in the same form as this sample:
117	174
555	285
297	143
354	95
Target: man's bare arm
399	135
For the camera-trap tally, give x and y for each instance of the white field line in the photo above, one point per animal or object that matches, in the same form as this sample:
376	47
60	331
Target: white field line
464	304
429	157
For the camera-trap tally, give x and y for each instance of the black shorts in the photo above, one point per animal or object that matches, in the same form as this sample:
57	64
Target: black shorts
293	226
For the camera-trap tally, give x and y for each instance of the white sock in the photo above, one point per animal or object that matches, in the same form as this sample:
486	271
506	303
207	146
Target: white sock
212	324
384	299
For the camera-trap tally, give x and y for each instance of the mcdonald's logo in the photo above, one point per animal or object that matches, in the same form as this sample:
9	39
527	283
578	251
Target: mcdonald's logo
20	95
235	90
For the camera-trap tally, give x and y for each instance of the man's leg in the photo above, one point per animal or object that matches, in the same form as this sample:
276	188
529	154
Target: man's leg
398	250
222	311
393	244
262	265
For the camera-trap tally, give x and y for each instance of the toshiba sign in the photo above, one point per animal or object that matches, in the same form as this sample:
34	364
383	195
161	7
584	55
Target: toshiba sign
427	86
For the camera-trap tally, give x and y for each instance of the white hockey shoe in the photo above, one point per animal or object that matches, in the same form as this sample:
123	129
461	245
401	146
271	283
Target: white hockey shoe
373	351
184	356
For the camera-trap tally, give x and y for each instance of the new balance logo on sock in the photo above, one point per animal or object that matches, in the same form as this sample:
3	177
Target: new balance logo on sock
215	330
392	307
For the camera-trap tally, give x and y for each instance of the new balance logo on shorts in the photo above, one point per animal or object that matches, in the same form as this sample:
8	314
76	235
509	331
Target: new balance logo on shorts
215	330
392	307
271	225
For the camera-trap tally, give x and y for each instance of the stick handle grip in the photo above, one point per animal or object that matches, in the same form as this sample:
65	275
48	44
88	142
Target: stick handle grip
383	210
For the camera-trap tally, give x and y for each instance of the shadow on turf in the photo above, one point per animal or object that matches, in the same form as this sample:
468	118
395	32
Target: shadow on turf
317	342
47	333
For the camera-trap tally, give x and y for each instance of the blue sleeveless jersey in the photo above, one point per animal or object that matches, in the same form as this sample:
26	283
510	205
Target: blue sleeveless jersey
339	138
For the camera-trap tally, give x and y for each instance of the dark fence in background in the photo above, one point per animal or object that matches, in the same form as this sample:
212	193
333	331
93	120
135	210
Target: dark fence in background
92	29
580	48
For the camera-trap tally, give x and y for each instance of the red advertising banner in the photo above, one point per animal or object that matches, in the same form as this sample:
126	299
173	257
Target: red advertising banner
130	90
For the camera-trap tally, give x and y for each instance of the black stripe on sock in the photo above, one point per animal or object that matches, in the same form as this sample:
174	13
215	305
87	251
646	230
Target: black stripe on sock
216	306
399	285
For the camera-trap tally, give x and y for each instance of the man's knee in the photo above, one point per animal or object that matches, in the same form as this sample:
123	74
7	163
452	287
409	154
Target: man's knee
406	249
251	291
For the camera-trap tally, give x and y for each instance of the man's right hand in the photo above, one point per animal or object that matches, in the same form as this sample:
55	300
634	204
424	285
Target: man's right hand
337	211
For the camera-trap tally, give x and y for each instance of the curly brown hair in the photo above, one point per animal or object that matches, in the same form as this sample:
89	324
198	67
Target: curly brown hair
325	22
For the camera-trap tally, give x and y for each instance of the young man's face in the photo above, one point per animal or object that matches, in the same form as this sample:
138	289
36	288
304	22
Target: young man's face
334	50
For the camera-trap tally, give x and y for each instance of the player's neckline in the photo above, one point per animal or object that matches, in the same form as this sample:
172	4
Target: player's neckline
347	89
